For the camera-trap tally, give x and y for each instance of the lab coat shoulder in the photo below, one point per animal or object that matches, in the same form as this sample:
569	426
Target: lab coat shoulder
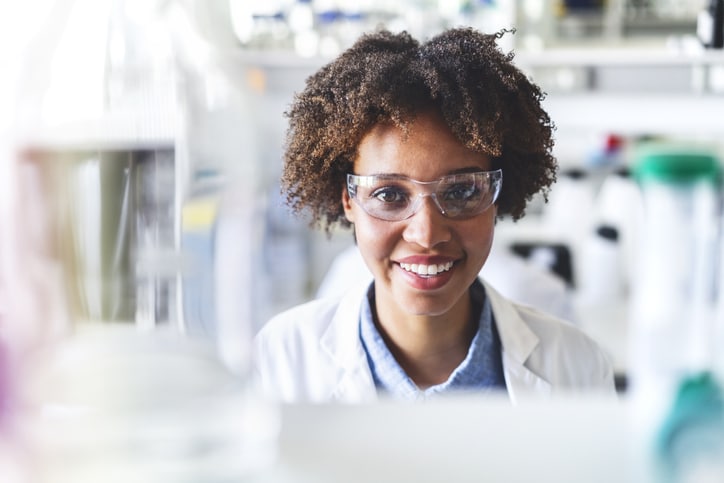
311	352
581	363
547	353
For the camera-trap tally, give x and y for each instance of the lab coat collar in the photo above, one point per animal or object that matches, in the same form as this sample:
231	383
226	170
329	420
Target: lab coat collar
341	343
518	342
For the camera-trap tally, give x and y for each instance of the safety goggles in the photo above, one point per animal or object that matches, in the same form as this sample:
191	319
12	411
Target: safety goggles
396	198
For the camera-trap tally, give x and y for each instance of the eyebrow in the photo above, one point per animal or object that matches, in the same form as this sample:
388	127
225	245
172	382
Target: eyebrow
468	169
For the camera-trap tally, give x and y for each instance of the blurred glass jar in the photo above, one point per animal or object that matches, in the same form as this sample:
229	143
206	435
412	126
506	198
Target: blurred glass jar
95	119
111	137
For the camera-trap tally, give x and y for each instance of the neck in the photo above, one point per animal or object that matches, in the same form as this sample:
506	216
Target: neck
428	348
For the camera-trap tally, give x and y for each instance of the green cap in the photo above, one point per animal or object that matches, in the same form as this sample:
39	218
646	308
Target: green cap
670	164
694	426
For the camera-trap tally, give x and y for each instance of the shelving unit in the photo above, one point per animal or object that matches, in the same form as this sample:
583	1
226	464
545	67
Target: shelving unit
631	91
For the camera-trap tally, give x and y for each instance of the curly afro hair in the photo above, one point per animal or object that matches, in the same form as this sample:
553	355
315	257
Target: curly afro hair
487	102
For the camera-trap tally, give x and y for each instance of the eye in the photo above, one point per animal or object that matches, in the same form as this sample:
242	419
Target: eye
461	192
390	195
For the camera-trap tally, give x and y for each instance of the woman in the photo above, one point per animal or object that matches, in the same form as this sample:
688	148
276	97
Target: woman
420	147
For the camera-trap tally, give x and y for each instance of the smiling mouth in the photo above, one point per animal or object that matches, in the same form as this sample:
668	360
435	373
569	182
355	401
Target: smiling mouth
426	270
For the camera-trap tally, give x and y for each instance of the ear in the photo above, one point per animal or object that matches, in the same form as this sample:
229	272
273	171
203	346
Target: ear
347	205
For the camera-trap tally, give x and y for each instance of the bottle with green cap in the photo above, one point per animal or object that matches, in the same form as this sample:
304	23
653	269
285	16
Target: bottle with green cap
673	300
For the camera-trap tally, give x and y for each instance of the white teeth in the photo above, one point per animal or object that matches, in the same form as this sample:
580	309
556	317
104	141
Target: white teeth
426	269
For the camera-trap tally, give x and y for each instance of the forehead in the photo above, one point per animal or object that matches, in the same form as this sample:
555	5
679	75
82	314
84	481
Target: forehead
426	151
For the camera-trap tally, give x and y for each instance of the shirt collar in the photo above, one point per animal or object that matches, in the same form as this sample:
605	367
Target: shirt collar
481	369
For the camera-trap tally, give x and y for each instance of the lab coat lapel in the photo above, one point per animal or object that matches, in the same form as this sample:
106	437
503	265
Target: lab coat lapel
518	342
521	382
347	359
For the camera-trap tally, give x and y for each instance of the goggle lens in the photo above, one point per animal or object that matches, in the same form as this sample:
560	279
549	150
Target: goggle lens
396	198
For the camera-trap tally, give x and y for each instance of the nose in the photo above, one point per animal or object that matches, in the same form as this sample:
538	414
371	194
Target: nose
428	227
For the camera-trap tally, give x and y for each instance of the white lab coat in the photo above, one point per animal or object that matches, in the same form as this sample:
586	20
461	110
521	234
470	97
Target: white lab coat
313	353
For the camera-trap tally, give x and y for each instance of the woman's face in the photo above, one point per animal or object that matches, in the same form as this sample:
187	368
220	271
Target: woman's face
427	238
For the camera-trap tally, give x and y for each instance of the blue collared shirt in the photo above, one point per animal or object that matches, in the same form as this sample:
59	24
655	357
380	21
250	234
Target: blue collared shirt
482	368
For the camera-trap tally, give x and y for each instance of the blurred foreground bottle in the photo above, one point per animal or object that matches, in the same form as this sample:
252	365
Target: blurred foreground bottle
678	411
120	382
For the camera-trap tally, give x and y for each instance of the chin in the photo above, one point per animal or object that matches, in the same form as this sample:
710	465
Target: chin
429	308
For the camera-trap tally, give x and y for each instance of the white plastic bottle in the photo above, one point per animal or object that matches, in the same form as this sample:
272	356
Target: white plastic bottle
601	282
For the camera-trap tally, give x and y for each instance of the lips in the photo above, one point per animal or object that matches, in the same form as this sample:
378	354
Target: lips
427	272
426	269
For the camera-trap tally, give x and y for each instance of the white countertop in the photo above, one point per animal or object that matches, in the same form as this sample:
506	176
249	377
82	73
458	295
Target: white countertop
161	412
466	440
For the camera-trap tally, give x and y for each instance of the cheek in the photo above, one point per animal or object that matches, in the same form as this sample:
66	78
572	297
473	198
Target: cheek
478	237
375	238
